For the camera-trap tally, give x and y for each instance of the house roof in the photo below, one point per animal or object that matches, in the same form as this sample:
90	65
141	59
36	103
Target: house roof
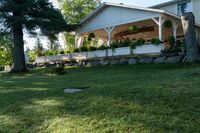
106	4
168	3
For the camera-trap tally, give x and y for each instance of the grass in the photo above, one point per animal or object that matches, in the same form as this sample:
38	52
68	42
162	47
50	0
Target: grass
120	99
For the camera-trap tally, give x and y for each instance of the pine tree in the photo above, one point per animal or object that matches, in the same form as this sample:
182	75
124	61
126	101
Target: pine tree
18	16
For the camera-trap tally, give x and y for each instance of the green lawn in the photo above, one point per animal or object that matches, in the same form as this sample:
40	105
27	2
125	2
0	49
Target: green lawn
119	99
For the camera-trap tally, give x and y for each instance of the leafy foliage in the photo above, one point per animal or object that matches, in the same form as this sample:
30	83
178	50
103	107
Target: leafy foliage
19	15
155	41
6	50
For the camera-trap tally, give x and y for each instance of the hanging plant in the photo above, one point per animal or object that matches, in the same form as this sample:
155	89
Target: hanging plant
91	36
168	24
133	29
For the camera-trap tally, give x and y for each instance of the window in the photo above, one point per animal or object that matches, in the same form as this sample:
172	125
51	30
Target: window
184	7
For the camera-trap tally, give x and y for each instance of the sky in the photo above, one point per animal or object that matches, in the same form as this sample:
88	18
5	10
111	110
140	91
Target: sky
144	3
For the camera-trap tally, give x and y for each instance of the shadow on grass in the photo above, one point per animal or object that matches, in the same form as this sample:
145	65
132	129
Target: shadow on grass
112	103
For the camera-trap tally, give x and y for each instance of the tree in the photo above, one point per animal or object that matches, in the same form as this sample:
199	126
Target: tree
74	11
16	16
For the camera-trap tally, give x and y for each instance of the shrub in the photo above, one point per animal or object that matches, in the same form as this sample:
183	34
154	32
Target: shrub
76	50
83	49
102	47
133	45
172	41
91	36
155	41
125	43
50	52
60	70
92	48
1	68
140	42
114	45
62	52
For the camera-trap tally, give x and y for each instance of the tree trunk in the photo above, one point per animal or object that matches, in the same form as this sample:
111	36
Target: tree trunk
188	22
19	57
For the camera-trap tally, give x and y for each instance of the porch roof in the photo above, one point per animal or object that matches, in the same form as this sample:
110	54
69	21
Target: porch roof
112	14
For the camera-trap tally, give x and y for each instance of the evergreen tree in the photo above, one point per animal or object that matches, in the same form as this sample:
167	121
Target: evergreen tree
16	16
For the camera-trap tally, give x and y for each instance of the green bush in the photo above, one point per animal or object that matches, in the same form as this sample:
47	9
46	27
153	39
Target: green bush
155	41
125	43
60	70
172	41
92	48
76	50
1	68
114	45
140	42
50	52
83	49
91	36
62	52
6	58
102	47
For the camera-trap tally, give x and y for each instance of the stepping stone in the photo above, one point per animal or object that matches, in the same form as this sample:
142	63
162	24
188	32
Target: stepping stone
71	90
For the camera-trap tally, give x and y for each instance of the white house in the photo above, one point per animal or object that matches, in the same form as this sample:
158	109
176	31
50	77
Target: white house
110	21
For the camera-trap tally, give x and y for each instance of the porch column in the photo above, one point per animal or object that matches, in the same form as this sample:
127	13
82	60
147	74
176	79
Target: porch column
109	32
160	22
175	26
78	40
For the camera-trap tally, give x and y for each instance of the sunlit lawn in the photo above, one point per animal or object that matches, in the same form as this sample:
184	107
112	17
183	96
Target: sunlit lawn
119	99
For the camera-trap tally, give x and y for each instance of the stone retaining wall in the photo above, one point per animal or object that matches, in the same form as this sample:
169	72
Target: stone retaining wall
129	60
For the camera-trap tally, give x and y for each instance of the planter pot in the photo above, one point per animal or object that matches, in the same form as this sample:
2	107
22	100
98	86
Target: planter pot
91	54
79	56
100	53
122	51
148	49
63	57
41	59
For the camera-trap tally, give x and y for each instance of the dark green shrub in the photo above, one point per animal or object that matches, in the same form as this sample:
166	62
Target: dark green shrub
50	52
62	52
92	48
140	42
155	41
172	41
83	49
102	47
1	68
76	50
114	45
125	43
133	45
91	36
60	70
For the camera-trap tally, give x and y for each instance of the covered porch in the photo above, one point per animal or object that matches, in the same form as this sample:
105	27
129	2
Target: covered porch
111	23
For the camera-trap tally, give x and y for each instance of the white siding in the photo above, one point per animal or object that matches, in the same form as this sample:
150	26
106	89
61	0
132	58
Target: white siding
170	8
111	16
196	9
